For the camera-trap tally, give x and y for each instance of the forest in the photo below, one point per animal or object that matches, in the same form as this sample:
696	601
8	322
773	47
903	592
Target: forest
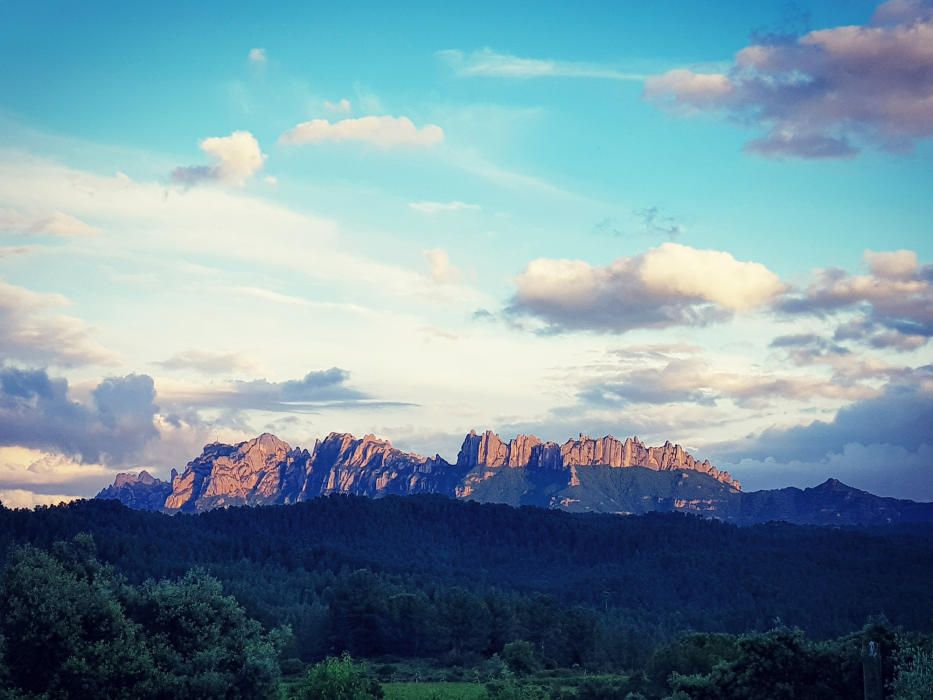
431	589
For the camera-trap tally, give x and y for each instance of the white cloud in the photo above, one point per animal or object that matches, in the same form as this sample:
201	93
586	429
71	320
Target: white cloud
31	332
20	498
669	285
441	207
210	362
383	131
31	477
257	56
487	63
441	268
219	222
711	275
341	106
54	223
236	157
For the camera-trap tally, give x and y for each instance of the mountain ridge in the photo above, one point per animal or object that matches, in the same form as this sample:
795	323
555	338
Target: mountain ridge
604	475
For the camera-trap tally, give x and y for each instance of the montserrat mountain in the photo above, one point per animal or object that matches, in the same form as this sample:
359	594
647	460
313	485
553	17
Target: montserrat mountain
525	470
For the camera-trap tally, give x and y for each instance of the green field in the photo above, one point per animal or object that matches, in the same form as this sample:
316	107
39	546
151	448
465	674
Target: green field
433	691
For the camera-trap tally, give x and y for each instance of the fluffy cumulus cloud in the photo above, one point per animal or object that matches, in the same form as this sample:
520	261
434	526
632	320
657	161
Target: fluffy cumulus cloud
37	411
666	286
31	330
891	306
487	63
54	223
382	131
236	158
258	56
826	93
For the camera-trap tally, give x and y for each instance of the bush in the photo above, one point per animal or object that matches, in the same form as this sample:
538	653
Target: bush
520	657
913	673
337	679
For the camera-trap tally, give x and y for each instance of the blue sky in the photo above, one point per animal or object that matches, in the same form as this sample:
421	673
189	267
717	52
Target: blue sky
708	226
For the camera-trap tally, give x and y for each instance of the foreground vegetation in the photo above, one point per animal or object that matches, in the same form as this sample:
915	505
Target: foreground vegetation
439	599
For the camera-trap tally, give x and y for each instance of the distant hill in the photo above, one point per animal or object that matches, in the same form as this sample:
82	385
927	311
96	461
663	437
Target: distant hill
603	475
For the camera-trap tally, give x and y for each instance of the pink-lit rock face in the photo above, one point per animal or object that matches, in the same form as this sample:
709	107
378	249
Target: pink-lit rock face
488	450
266	470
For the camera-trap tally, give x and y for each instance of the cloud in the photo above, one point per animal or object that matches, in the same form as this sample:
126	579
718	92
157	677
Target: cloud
318	389
341	106
382	131
28	332
893	303
53	223
258	56
668	376
21	498
37	412
824	94
208	362
442	270
654	221
883	444
487	63
901	415
441	207
669	285
236	157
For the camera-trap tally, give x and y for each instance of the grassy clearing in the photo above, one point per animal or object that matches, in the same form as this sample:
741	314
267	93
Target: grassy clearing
433	691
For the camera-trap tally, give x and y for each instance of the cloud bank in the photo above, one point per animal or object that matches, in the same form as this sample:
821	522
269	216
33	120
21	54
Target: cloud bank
36	411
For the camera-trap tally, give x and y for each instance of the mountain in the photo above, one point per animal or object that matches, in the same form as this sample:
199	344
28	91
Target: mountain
603	475
140	491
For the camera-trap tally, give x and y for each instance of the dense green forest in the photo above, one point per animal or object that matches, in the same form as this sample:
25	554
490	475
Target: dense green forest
484	591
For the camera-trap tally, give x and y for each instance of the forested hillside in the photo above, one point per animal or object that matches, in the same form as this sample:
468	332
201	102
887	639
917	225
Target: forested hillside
430	576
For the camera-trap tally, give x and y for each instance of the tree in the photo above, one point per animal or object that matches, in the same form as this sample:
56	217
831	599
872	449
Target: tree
204	641
65	633
71	628
337	679
778	664
519	656
913	674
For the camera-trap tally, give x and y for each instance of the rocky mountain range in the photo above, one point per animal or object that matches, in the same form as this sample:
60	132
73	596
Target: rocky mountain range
604	475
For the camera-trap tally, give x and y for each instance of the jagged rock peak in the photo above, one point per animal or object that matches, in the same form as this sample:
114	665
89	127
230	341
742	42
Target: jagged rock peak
488	450
127	478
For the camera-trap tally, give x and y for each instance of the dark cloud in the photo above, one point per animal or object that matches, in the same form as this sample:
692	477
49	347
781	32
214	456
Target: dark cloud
191	175
36	411
823	93
902	416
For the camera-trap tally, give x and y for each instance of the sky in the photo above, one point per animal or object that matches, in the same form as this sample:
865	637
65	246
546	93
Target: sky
708	226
